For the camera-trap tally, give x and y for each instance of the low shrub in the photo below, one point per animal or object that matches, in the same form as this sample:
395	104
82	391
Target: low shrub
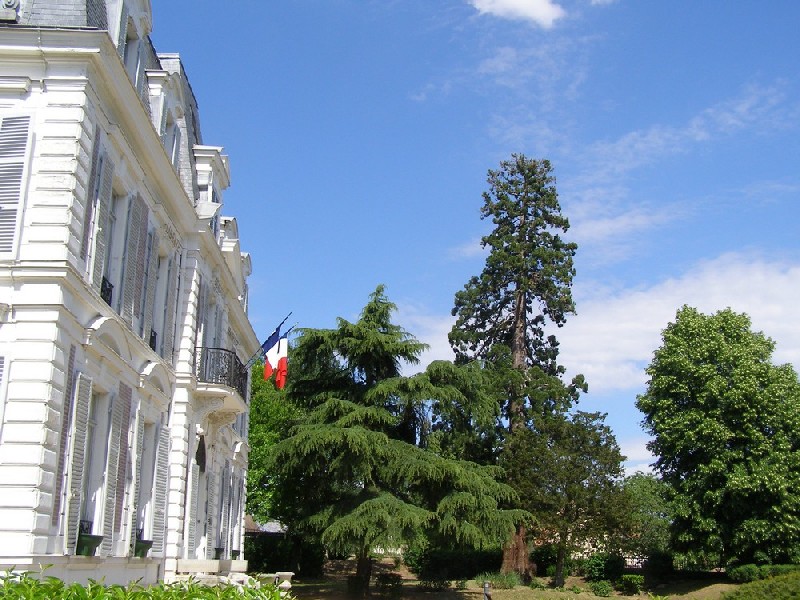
433	585
781	587
438	563
35	586
604	566
660	564
499	581
601	588
747	573
388	583
632	584
744	573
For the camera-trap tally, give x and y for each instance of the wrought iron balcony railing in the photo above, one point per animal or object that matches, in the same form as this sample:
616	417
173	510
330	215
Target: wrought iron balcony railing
217	365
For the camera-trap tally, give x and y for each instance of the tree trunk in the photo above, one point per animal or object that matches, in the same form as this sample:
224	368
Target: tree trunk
558	580
515	556
359	584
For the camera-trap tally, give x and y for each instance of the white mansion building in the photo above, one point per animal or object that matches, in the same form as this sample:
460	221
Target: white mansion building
123	306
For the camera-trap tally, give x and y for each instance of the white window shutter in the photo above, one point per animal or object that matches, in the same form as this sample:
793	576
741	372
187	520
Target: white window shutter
122	38
91	192
124	468
141	255
103	206
169	319
14	136
137	478
160	491
226	507
79	430
150	292
133	229
66	422
211	495
192	518
115	468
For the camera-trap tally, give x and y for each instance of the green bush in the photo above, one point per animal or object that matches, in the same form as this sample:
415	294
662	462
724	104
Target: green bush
388	583
632	584
545	558
782	587
36	586
499	581
601	588
604	566
437	563
660	564
270	553
744	573
433	585
749	572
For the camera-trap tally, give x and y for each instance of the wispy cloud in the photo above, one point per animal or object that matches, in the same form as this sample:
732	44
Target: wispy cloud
756	109
543	13
613	337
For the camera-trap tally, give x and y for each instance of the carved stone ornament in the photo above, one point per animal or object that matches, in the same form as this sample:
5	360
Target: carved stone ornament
8	10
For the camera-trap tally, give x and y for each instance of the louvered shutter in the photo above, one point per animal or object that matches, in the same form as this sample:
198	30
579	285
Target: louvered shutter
226	507
176	148
112	476
211	495
80	418
122	38
66	422
124	469
141	257
192	518
160	491
152	282
13	150
131	253
137	479
91	193
169	314
103	207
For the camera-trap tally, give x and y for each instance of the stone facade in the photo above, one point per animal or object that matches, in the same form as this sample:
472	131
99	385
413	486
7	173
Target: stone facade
124	334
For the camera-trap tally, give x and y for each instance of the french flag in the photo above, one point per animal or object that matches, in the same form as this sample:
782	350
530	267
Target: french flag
276	361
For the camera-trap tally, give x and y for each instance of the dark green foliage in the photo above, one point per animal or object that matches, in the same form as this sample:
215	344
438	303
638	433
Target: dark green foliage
270	553
725	423
604	565
567	471
429	562
632	584
783	587
601	588
751	572
660	564
389	583
649	515
744	573
354	458
529	267
37	586
499	581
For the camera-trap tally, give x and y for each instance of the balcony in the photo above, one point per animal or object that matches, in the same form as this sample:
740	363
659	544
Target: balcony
218	366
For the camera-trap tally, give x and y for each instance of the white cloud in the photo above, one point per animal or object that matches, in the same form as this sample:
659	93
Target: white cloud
541	12
637	456
612	338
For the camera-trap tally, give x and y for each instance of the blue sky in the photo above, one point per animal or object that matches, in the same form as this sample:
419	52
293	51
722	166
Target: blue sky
360	133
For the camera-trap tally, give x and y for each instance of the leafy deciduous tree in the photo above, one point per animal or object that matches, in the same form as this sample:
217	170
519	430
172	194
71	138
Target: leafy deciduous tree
725	423
568	474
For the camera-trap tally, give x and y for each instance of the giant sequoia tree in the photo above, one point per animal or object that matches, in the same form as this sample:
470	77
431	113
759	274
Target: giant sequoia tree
352	471
524	287
725	423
